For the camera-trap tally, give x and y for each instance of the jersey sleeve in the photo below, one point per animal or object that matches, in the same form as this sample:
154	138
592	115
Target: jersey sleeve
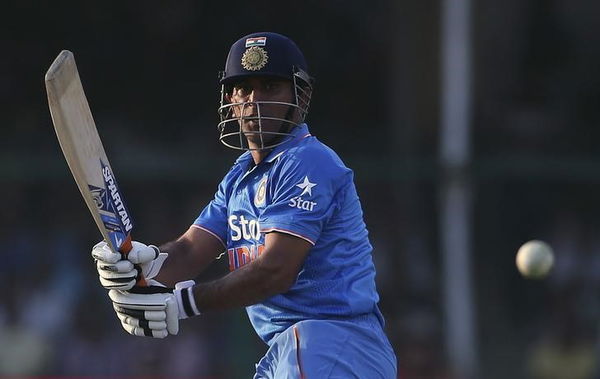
304	194
213	218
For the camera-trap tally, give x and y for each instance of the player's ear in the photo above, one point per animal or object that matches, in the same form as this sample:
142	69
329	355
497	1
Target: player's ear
305	94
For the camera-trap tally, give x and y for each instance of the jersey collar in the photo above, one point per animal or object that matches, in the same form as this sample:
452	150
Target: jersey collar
298	133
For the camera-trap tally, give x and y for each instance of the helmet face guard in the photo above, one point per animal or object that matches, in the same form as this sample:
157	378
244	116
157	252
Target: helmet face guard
230	126
263	54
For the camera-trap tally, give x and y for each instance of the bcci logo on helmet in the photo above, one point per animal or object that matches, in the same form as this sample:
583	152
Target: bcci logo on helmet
255	58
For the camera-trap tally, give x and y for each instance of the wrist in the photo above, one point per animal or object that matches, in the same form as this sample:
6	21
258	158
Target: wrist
186	303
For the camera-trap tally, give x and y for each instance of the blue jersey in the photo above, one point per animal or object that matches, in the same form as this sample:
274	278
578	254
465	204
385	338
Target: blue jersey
301	188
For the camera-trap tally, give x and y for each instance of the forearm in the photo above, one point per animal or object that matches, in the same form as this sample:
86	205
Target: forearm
185	261
245	286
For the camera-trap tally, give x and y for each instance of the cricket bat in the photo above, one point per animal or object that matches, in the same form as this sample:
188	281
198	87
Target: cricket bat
83	150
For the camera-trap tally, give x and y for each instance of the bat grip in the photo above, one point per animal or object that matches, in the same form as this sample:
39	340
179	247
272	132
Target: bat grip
126	247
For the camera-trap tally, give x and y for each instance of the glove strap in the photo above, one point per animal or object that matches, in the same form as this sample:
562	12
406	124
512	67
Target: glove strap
185	299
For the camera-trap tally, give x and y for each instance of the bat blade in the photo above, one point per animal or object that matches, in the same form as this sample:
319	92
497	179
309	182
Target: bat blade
84	153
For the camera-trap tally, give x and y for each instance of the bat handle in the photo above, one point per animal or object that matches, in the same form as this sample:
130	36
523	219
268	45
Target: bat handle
126	247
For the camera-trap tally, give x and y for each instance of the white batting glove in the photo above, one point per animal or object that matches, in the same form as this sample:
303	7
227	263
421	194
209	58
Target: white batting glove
118	273
154	311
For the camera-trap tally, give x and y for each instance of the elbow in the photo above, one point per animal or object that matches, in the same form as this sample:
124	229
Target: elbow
284	283
277	281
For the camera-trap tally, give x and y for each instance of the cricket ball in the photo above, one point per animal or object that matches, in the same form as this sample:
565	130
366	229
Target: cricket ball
535	259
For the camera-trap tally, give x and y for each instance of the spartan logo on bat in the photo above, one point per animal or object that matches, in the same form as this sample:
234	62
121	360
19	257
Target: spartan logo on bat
97	195
116	199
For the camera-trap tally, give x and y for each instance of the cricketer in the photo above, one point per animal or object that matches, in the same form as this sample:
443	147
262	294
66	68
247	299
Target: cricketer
288	215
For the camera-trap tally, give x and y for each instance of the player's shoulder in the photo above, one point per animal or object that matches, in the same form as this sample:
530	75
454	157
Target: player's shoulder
313	148
312	153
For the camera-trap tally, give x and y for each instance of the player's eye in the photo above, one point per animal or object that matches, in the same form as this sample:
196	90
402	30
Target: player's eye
272	86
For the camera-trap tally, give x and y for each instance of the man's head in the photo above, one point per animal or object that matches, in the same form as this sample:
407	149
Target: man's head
265	92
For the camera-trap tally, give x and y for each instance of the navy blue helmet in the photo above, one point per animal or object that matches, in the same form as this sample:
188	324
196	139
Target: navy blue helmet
263	54
268	54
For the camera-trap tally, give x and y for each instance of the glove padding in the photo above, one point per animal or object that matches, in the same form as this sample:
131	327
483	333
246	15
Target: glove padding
117	272
152	311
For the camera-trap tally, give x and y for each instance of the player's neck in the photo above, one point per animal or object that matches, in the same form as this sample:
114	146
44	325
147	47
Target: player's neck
259	155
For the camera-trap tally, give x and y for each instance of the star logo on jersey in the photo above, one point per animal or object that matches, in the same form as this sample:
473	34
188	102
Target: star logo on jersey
306	186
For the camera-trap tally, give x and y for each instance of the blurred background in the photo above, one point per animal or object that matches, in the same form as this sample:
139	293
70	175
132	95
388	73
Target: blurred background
471	129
